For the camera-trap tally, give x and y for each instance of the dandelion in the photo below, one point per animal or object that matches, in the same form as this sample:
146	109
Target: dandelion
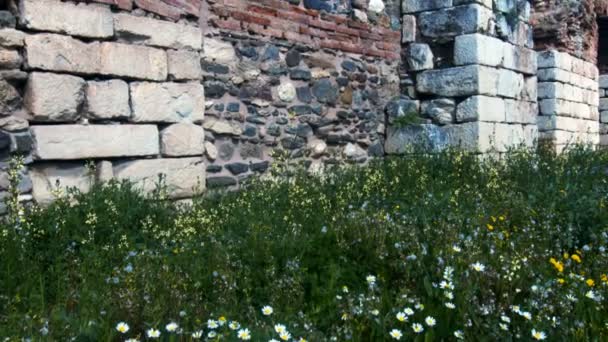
478	267
153	333
459	334
244	334
503	326
396	334
450	305
279	328
418	328
197	334
171	327
590	282
285	336
122	327
211	324
234	325
430	321
267	310
538	335
371	280
576	258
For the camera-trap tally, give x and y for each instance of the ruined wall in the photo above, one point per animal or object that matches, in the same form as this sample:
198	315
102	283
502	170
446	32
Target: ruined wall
305	79
603	107
470	77
116	82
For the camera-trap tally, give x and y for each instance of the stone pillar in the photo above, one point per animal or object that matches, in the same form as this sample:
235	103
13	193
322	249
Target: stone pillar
568	98
471	77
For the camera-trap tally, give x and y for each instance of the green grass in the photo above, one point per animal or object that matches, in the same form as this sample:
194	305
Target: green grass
306	246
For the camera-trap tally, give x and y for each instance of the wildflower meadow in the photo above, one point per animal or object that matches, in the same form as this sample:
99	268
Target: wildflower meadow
443	247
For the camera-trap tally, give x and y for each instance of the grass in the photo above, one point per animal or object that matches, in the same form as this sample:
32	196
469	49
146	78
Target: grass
493	249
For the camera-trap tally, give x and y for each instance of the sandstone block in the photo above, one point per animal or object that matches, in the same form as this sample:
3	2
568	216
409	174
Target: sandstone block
49	179
182	139
139	62
455	21
54	97
219	51
481	108
11	38
54	52
183	177
459	81
62	17
108	100
64	142
184	64
478	49
221	127
10	59
158	33
167	102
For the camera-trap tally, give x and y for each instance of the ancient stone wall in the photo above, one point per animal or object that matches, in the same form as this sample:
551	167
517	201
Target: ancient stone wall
603	107
470	77
568	97
116	82
308	80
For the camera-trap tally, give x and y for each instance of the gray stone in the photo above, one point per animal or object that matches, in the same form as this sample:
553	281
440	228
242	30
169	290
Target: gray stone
286	92
159	33
455	21
64	142
354	152
10	99
210	150
441	111
409	29
53	97
459	81
481	108
237	168
184	64
13	123
478	49
134	61
412	6
84	20
419	57
49	180
11	38
510	83
226	151
182	139
220	182
167	102
108	100
325	91
401	107
182	177
55	52
218	51
10	59
221	127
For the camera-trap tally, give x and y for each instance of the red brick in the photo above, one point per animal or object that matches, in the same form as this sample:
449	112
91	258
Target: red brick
326	25
387	46
192	7
330	44
309	12
347	30
275	4
358	25
284	25
122	4
159	8
261	30
298	17
313	32
354	48
370	35
256	19
231	25
338	19
262	10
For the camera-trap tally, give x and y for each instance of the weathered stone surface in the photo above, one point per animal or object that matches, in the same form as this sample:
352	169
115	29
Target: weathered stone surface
157	32
13	123
419	57
286	92
50	179
510	83
183	177
402	107
10	59
459	81
221	127
64	142
218	51
409	30
182	139
478	49
54	52
210	150
481	108
441	111
411	6
184	64
104	171
54	97
520	111
84	20
455	21
140	62
167	102
108	99
11	38
10	99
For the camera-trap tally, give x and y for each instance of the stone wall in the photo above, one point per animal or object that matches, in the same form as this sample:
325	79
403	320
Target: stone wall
308	80
603	107
568	97
470	77
117	82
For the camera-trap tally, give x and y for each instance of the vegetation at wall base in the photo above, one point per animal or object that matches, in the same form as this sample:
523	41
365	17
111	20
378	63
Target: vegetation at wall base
425	247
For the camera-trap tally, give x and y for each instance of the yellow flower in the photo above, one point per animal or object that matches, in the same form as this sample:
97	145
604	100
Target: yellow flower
561	280
559	266
566	256
576	258
590	282
490	227
604	278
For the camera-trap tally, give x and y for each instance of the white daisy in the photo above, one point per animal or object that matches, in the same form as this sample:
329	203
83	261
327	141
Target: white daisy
122	327
418	328
538	335
244	334
396	334
153	333
267	310
430	321
171	327
479	267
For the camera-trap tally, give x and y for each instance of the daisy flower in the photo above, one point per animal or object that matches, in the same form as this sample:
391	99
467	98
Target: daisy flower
122	327
430	321
396	334
401	317
267	310
244	334
479	267
171	327
418	328
538	335
153	333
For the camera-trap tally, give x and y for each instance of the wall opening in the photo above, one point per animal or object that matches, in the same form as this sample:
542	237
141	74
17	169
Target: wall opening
602	56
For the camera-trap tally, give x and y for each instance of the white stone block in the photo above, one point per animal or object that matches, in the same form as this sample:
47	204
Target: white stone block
108	100
134	61
53	179
182	139
54	52
510	83
158	33
478	49
54	97
167	102
184	65
481	108
459	81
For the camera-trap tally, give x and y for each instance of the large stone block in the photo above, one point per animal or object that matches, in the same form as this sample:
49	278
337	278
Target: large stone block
134	61
459	81
84	20
554	59
184	64
183	177
167	102
157	32
520	59
455	21
51	180
522	112
510	83
11	38
481	108
54	52
182	139
64	142
54	97
108	100
478	49
412	6
562	123
419	57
